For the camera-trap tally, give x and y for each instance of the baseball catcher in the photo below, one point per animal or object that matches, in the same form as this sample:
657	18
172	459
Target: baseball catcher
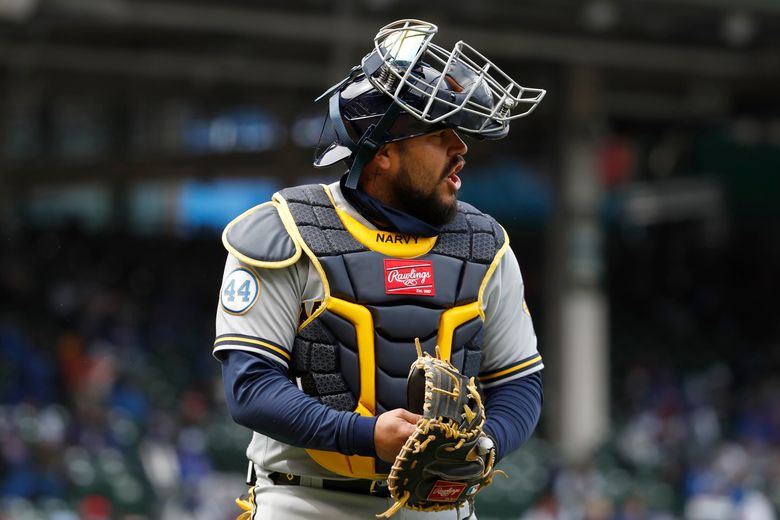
326	287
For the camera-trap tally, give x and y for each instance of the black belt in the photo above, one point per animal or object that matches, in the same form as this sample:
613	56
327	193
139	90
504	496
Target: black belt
374	488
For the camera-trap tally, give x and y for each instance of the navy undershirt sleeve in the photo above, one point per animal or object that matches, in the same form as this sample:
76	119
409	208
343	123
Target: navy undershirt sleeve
260	396
512	411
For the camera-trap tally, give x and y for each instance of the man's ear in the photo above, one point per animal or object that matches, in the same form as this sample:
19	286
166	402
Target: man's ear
381	168
384	158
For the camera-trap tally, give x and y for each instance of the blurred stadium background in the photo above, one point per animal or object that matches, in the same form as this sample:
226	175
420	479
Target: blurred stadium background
641	199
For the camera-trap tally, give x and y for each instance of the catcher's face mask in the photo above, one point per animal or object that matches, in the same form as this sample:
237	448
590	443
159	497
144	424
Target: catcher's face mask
408	86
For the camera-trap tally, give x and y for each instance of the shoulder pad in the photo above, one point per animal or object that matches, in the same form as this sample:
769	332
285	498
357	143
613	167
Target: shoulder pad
259	237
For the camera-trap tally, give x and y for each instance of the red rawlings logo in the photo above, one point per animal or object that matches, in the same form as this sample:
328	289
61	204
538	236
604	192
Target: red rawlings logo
409	277
444	491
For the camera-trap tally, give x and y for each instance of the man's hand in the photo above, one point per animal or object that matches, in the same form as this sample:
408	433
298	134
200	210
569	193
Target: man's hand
391	431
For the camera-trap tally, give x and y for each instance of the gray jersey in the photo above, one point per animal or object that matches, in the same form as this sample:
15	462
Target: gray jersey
260	309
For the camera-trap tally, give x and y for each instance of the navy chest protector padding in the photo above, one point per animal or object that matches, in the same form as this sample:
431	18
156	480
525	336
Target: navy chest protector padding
326	352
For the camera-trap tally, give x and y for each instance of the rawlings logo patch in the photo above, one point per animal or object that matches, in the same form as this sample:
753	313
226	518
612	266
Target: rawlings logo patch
445	491
409	277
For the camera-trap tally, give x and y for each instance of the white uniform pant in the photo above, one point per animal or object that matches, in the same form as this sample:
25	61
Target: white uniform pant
277	502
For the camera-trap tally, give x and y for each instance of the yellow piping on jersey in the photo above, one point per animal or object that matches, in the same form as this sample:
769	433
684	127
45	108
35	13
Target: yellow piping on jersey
251	261
292	229
450	320
228	339
388	243
509	370
490	271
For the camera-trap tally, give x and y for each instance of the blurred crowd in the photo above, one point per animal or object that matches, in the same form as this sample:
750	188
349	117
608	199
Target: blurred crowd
695	355
109	397
681	454
111	403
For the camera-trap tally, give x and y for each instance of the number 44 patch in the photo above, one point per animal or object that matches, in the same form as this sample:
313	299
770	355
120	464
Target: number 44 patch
240	290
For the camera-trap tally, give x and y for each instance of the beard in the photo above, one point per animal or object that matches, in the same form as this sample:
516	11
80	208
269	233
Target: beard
430	207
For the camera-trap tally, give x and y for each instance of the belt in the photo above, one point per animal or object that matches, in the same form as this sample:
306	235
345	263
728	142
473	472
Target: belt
374	488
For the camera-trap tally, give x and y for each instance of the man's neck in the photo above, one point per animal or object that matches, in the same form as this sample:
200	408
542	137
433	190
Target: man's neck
385	217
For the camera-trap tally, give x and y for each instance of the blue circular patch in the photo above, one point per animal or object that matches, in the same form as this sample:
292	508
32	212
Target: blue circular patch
240	290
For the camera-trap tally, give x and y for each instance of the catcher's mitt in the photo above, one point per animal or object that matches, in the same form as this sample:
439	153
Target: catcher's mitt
448	458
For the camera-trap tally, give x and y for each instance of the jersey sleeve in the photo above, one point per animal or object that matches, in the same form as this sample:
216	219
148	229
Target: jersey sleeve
509	349
259	309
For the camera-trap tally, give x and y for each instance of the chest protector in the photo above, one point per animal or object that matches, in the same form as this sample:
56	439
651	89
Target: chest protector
381	291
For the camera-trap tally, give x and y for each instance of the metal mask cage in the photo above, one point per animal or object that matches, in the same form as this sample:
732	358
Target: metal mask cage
403	44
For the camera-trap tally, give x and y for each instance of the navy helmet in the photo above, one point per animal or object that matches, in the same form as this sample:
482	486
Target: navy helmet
408	86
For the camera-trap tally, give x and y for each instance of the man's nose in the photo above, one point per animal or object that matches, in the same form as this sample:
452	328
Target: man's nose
457	145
